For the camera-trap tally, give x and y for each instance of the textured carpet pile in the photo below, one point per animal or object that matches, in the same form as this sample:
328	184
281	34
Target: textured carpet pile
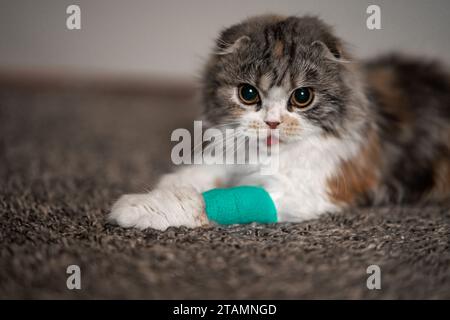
66	155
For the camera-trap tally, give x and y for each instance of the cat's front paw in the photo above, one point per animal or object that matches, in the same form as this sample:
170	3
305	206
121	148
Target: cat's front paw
160	209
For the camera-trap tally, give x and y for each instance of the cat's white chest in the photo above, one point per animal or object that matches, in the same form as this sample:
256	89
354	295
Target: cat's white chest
299	187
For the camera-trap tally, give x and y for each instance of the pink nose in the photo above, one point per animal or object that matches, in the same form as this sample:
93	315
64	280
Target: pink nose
272	124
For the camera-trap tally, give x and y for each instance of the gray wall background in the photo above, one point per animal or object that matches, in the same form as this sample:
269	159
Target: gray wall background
173	37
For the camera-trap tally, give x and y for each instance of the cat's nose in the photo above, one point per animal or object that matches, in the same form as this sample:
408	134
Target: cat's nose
272	124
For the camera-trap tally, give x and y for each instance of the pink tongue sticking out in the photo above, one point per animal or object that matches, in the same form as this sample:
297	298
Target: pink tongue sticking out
272	140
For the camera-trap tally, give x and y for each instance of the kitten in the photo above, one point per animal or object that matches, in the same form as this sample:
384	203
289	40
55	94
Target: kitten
349	134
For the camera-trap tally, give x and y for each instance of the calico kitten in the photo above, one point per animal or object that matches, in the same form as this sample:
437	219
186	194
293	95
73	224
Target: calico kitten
349	134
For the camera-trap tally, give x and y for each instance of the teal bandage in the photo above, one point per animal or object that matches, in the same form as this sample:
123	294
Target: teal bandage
243	204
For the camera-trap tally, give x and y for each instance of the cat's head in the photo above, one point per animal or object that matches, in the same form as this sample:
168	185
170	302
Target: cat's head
288	73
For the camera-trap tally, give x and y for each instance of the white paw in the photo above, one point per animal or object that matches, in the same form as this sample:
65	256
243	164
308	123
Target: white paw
159	209
131	211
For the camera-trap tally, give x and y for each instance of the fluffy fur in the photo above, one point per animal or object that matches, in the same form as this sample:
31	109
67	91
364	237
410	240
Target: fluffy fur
375	132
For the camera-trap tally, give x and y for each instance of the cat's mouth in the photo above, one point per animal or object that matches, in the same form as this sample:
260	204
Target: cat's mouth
272	140
269	137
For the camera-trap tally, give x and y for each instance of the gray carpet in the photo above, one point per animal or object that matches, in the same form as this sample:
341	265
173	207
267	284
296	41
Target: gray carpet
67	154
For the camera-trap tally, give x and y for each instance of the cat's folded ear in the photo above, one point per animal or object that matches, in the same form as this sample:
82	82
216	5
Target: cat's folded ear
230	40
227	48
332	50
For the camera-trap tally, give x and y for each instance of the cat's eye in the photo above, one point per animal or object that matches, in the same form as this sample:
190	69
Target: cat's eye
302	97
248	94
